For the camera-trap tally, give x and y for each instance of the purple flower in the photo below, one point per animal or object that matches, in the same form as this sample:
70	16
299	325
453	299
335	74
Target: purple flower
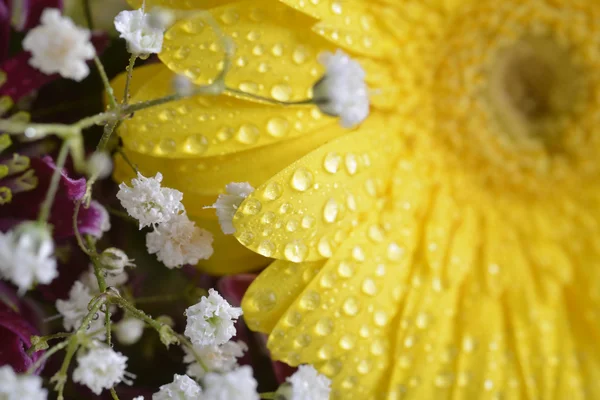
18	322
26	205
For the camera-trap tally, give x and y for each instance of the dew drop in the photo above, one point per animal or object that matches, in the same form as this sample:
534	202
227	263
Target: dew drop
258	50
350	306
262	301
330	211
300	55
268	218
182	53
364	331
248	134
246	238
296	251
324	248
285	208
345	269
272	191
253	36
224	134
380	318
331	163
324	327
336	7
263	67
358	254
368	287
293	318
281	92
363	367
325	352
302	179
351	163
251	206
310	300
308	222
375	233
278	127
422	320
302	341
347	342
196	144
230	17
327	281
351	202
248	87
277	50
394	252
266	248
291	226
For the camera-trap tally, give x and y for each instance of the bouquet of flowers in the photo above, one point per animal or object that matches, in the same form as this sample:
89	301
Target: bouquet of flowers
299	199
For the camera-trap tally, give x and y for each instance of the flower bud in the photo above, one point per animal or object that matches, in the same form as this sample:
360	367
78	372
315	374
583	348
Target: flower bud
129	330
115	260
99	165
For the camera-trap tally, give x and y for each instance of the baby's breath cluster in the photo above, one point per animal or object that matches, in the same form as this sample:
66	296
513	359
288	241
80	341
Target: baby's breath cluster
176	240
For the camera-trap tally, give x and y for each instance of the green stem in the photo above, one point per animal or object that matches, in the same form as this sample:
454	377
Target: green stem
186	342
107	322
128	79
159	299
109	90
96	263
268	100
73	343
47	354
113	393
82	245
54	182
108	130
127	160
139	314
268	395
88	14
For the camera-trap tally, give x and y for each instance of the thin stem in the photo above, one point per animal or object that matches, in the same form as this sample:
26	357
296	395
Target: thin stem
96	263
113	393
107	322
186	342
121	214
109	90
82	245
108	130
128	80
267	99
127	160
54	182
88	14
47	354
139	314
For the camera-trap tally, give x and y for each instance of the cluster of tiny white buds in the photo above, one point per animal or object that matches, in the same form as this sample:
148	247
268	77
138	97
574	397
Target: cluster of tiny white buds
27	256
217	358
100	368
228	203
211	321
176	240
238	384
20	387
305	384
129	330
57	45
182	388
143	32
342	91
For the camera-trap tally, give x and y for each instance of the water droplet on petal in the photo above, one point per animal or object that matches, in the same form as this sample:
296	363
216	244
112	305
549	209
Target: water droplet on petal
272	191
330	211
331	163
278	127
296	251
302	179
266	248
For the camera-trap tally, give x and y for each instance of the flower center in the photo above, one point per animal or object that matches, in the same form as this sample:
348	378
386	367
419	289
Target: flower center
533	88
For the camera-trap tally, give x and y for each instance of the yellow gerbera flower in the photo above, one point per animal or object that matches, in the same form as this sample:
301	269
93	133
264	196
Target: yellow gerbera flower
447	247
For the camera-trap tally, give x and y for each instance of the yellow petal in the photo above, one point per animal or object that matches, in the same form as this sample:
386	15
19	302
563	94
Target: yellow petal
306	210
205	126
204	178
342	321
357	30
275	50
274	290
141	76
179	4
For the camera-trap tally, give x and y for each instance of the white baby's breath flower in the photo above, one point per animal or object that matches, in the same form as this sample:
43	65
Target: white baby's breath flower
129	330
20	387
26	256
148	202
75	308
179	241
342	91
182	388
217	358
104	217
211	321
100	368
142	35
238	384
307	384
138	398
58	46
228	203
